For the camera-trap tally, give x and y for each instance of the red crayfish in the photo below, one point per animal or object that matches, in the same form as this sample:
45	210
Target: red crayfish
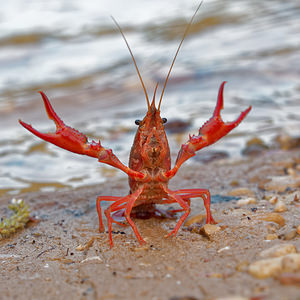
149	168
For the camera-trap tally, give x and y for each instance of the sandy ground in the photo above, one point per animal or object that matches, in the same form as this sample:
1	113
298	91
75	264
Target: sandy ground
64	257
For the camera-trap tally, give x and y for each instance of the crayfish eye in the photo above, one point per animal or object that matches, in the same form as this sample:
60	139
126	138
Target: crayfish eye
137	122
164	120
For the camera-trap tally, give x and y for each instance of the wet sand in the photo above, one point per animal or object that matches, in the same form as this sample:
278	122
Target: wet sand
64	257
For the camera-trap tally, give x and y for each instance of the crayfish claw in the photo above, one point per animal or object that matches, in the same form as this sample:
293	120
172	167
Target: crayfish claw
45	136
220	102
65	136
50	111
241	117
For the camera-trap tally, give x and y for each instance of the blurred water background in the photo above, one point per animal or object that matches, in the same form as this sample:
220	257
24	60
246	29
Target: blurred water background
73	51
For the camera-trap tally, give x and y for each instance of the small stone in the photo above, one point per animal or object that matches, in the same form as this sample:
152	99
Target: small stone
289	279
254	146
271	237
291	262
287	142
265	268
223	249
298	229
272	228
291	172
270	267
215	275
241	192
242	266
194	219
281	183
209	229
92	260
272	217
246	201
87	246
280	206
177	126
234	183
273	200
289	235
278	250
210	155
80	248
142	248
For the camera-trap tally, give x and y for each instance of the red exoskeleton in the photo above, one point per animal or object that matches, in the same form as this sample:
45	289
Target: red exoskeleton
149	168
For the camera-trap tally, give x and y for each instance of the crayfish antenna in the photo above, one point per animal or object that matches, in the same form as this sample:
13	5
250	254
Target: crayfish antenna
135	64
177	51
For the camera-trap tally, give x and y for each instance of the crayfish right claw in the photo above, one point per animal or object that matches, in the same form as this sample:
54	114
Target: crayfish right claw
215	128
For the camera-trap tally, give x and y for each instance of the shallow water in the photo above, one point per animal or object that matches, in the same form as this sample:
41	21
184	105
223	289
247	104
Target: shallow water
74	53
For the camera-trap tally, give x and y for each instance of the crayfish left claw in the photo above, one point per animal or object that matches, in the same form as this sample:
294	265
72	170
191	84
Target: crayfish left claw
72	140
65	137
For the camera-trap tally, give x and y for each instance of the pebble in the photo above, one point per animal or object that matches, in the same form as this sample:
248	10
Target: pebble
209	229
280	206
246	201
281	183
272	217
273	200
272	228
287	142
210	155
270	267
242	266
241	191
177	126
289	235
298	229
223	249
87	246
254	146
278	250
194	219
292	172
92	260
271	237
289	279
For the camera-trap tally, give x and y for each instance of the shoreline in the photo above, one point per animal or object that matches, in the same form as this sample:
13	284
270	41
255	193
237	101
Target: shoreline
63	255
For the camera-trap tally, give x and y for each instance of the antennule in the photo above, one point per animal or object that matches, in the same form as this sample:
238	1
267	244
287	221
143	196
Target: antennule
184	35
153	101
136	67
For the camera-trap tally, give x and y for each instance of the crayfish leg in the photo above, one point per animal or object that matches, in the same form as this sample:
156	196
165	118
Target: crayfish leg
184	204
98	205
126	203
204	194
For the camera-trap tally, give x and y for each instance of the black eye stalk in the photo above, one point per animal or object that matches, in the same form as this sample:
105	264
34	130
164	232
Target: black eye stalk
137	122
164	120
